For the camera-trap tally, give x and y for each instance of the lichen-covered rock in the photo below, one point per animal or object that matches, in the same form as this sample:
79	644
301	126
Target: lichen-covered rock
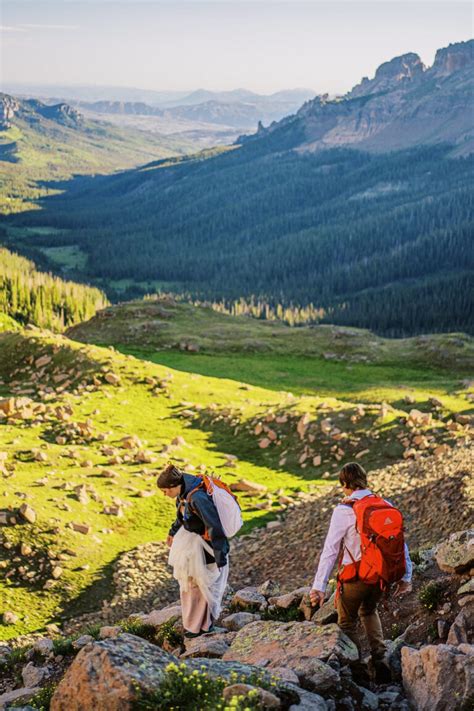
106	675
456	554
439	678
249	598
300	646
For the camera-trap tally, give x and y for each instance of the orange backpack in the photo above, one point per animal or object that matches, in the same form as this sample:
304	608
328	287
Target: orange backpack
382	543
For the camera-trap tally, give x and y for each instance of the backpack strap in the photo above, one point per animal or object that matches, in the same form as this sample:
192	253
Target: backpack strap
188	500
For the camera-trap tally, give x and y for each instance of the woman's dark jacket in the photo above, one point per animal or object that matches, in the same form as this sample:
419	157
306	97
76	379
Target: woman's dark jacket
200	514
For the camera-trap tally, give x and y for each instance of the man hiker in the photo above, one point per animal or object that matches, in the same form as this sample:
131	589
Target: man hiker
199	550
366	533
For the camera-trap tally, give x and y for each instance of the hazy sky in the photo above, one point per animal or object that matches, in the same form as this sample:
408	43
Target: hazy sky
264	45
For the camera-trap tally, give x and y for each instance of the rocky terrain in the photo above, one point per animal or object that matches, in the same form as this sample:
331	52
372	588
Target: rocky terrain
271	650
405	104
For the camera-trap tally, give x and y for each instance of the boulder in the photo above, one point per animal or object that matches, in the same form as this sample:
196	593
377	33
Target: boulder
10	618
300	646
326	613
108	674
156	618
27	513
34	676
24	694
435	676
250	487
238	620
205	646
249	598
291	599
456	554
265	698
268	588
462	629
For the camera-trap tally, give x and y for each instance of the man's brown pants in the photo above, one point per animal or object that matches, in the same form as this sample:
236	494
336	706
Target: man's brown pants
359	600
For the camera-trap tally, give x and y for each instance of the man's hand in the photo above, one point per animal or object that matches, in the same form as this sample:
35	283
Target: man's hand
317	598
402	588
169	541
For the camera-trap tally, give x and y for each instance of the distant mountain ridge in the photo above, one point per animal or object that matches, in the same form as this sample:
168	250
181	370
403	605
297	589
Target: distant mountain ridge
240	108
31	109
404	105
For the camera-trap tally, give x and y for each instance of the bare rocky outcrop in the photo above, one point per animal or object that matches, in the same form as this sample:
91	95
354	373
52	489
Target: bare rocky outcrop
439	678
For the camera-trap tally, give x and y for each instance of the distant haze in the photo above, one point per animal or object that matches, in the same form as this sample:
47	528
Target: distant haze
262	45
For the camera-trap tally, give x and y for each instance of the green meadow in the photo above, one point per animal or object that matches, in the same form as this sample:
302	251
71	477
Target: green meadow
192	408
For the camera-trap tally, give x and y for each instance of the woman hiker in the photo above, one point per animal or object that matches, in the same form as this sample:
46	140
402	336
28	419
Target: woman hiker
199	550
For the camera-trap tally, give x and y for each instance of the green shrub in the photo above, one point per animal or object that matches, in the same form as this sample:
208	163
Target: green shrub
17	656
140	629
168	632
430	595
188	690
279	614
416	557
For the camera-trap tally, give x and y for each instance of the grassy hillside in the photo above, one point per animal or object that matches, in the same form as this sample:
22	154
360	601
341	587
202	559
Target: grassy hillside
35	158
63	452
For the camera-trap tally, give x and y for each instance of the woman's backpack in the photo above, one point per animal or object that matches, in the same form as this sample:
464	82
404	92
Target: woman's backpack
225	501
382	543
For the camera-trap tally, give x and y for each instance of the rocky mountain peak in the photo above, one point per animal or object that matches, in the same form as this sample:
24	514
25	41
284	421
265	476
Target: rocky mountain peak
9	106
453	58
406	66
391	74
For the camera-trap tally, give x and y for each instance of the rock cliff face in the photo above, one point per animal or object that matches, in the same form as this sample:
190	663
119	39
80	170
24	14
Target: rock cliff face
404	105
33	110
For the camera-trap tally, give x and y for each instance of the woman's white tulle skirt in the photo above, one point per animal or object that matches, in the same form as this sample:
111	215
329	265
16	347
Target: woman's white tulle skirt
189	565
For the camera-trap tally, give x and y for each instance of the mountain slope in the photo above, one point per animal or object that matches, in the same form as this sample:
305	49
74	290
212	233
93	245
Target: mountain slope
375	240
40	142
405	104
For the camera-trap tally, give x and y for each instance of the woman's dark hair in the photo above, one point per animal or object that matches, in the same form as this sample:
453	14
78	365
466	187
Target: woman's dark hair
170	476
353	476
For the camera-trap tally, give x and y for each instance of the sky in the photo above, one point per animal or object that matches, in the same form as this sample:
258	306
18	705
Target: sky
261	45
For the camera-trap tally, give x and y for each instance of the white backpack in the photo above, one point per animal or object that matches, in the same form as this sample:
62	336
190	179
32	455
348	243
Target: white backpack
225	502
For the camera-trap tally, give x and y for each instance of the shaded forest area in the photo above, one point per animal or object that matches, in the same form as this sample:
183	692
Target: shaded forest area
377	241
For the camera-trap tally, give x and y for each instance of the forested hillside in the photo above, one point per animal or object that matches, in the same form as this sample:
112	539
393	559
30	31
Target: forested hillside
373	239
376	241
29	296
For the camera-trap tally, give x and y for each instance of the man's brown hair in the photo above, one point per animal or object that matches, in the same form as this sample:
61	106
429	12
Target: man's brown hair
353	476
